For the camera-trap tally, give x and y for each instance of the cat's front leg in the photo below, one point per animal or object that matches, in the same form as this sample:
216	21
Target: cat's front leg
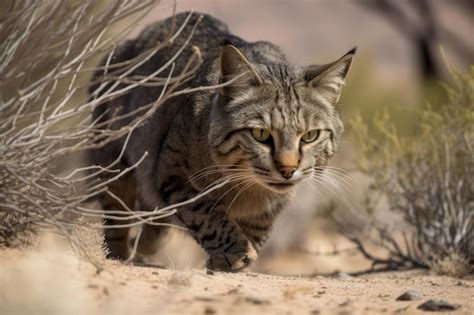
227	246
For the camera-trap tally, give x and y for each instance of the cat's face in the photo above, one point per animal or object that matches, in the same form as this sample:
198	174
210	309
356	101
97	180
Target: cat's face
278	126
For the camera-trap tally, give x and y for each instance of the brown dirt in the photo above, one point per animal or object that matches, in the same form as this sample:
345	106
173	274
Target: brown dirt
51	282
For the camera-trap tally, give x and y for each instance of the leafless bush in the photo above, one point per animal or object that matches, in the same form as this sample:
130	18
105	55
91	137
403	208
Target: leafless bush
428	179
48	51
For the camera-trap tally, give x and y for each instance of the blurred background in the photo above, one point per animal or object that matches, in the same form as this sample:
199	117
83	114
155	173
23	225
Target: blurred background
398	67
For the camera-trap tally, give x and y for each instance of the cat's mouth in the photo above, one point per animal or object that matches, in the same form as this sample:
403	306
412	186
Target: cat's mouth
281	186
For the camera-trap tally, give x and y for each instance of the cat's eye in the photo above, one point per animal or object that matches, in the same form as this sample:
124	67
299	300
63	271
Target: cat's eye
260	135
311	136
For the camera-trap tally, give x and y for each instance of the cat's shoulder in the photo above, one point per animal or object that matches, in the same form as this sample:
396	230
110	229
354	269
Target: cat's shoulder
160	30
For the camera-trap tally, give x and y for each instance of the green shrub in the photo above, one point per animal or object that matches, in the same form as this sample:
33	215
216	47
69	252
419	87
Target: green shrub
428	178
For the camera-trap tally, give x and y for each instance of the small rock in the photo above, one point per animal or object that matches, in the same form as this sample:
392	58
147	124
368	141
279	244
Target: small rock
342	276
345	303
179	279
410	295
256	301
209	311
204	298
233	291
463	284
437	306
400	310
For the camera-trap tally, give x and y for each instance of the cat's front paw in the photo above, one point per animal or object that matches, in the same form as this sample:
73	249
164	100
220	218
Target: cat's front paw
232	262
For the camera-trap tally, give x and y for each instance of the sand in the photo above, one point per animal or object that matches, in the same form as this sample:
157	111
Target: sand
54	282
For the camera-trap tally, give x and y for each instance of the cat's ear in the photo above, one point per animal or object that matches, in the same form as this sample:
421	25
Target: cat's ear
235	67
328	79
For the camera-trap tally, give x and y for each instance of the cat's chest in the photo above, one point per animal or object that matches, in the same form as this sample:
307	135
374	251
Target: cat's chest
254	203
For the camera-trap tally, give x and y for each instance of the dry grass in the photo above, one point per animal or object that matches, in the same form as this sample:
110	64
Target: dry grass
49	52
427	179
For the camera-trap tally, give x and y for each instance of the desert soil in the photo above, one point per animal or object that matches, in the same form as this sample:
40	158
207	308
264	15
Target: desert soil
52	282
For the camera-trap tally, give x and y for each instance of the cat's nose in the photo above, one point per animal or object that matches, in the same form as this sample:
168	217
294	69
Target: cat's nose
287	163
287	171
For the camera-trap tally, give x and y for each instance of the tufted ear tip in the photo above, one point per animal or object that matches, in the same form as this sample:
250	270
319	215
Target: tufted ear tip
234	65
352	51
328	79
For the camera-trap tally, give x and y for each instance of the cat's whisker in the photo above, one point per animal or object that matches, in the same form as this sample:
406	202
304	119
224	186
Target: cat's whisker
337	170
217	170
331	174
343	199
226	192
334	182
341	174
333	189
209	173
340	179
249	184
312	186
344	191
230	178
217	166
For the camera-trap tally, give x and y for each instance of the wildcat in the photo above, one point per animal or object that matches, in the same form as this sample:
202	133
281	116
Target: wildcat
272	127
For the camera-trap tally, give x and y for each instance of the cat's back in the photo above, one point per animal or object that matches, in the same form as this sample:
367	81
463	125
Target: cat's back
187	29
205	32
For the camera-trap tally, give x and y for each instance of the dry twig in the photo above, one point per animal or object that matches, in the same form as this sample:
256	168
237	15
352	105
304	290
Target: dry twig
47	49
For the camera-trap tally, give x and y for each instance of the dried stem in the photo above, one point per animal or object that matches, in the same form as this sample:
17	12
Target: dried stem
47	55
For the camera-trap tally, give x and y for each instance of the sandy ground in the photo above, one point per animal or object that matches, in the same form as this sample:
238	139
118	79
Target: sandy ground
51	282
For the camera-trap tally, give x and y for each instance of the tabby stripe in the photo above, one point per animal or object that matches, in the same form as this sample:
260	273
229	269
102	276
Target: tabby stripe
239	162
228	136
172	149
198	206
298	102
170	186
224	247
229	151
195	227
255	227
262	169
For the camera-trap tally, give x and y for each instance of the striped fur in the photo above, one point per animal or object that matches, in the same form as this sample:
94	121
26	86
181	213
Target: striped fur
195	141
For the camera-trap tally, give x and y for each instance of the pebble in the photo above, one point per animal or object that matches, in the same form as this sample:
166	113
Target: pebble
256	301
410	295
437	306
346	303
342	276
209	311
179	279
